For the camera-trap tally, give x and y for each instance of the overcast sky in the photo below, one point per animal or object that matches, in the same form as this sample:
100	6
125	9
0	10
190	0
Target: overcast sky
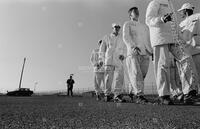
57	37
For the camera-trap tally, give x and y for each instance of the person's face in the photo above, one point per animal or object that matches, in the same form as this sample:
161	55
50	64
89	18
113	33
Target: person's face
183	13
116	29
134	14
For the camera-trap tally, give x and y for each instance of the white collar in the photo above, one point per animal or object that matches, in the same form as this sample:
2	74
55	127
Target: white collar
134	22
113	35
162	1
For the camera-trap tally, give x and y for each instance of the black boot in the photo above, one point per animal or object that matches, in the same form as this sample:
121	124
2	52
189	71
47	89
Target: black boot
119	99
107	98
189	99
98	98
141	99
165	100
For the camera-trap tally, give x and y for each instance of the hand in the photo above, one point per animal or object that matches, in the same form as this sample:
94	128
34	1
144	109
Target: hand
167	17
136	51
98	66
100	63
121	57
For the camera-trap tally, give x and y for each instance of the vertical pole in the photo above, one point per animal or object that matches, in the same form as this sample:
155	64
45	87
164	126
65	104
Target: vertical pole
35	86
20	82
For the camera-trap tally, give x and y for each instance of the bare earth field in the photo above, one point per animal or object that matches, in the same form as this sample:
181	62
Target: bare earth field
54	112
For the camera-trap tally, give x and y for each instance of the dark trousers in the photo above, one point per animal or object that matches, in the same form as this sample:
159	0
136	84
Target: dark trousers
69	90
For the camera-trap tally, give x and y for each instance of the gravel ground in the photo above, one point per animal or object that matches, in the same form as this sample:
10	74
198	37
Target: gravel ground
53	112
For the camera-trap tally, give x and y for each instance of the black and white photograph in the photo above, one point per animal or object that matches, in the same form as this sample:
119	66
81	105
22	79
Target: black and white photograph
99	64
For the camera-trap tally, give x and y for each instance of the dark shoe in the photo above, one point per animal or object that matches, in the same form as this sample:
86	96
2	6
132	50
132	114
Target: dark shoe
98	98
141	100
131	96
102	95
179	98
165	100
118	99
189	99
107	98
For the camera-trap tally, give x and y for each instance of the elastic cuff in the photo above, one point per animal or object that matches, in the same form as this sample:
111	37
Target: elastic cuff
161	18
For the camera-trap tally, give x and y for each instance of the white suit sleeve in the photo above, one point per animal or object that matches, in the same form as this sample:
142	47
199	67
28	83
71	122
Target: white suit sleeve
148	43
122	50
190	30
93	59
126	35
186	35
152	17
102	50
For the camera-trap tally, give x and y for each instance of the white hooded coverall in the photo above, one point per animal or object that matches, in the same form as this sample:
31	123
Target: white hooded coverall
136	34
162	41
110	50
190	28
98	71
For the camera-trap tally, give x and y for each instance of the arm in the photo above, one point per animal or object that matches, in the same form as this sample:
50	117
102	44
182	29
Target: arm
186	35
128	40
189	32
126	36
93	59
148	43
122	49
102	50
152	18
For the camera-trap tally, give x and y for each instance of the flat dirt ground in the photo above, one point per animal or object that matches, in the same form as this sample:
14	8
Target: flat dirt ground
59	112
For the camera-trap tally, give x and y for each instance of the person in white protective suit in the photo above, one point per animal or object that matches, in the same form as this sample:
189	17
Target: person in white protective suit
190	32
112	50
190	29
98	71
165	39
136	38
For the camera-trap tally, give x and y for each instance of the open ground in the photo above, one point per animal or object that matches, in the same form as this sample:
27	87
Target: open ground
61	112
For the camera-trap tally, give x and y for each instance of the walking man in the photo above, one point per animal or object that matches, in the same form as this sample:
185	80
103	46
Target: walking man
98	71
70	82
136	38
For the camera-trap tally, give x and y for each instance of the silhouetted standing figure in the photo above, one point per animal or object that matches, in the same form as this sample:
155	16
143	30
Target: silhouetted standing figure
70	82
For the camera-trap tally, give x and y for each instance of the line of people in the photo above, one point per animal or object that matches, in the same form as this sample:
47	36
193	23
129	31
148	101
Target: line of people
160	38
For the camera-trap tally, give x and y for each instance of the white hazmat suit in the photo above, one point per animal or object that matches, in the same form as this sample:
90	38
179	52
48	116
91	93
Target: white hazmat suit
136	34
163	37
190	28
98	71
110	50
